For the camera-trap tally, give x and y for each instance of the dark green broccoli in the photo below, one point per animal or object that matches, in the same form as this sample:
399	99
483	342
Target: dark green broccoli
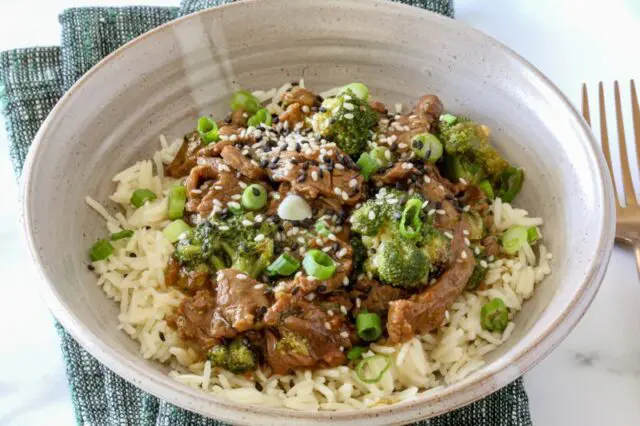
396	257
347	120
232	242
475	225
458	167
235	357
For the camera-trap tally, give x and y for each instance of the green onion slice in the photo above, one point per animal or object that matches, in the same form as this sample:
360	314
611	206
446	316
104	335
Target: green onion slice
369	326
448	118
514	238
355	353
322	228
141	196
367	165
358	89
494	315
243	100
370	373
126	233
486	187
319	264
410	223
533	235
175	229
101	250
254	197
427	146
285	265
177	201
510	183
380	155
208	130
261	117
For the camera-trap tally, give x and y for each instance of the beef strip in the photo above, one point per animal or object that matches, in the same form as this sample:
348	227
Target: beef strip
375	297
186	158
430	107
239	299
491	246
333	178
425	311
301	96
246	166
192	319
319	336
211	180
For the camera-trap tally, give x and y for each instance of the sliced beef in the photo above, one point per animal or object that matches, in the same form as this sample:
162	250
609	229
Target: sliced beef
491	246
378	107
310	180
305	335
425	311
209	184
292	115
301	96
430	107
186	158
192	319
239	303
375	297
246	166
239	118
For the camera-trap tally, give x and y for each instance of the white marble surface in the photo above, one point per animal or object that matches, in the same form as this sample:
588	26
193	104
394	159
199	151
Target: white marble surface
592	378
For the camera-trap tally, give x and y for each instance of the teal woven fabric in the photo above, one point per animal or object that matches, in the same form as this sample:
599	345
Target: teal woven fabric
31	82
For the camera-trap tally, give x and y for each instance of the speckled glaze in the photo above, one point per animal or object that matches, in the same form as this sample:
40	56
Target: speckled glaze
162	81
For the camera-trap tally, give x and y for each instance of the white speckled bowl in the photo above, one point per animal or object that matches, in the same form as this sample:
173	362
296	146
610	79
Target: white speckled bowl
162	81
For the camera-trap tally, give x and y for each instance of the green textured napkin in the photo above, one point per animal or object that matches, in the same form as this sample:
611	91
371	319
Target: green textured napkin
31	82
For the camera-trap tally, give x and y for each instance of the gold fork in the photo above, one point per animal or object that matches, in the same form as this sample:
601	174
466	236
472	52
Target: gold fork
627	217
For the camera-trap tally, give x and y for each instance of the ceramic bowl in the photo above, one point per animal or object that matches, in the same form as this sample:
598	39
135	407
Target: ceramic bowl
162	81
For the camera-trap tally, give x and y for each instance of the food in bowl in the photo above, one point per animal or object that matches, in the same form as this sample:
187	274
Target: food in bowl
318	251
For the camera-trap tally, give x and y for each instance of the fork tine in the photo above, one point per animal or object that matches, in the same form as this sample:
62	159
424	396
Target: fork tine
635	110
585	105
604	137
630	192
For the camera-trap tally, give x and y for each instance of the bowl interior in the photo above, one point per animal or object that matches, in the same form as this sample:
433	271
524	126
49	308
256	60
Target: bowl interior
162	82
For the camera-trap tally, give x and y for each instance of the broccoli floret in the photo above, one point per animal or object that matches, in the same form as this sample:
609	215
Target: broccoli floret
230	242
236	357
347	120
458	167
469	139
475	225
395	257
292	343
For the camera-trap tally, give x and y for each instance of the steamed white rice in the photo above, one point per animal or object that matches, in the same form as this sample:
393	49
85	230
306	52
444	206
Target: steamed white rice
134	277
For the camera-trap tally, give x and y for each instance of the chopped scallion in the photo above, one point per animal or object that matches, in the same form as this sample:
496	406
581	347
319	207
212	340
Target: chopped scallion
126	233
177	201
371	369
175	229
101	250
514	238
367	165
319	264
427	146
494	315
243	100
141	196
208	130
285	265
369	326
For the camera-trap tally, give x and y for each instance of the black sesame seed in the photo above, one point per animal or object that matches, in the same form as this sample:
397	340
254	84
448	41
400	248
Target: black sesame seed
294	247
295	290
298	147
133	255
322	109
319	98
320	173
305	165
275	119
258	387
91	268
227	120
322	288
161	334
294	161
394	146
438	205
301	178
294	83
147	228
263	163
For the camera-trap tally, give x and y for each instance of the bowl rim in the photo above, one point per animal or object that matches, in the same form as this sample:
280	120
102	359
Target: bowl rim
480	387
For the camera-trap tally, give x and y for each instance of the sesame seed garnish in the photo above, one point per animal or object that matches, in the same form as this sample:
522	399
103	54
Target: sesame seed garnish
330	312
348	116
425	204
484	264
305	109
476	251
466	208
236	196
492	258
467	242
343	309
241	276
372	215
326	249
345	196
463	181
427	179
339	166
465	232
341	348
344	334
348	106
300	240
327	325
358	302
402	145
463	255
345	281
332	237
224	228
242	185
259	237
353	183
407	166
311	296
448	235
337	190
431	212
258	286
314	175
441	212
233	205
342	252
246	222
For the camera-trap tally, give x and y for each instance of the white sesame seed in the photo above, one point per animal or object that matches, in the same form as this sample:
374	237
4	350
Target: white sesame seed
314	175
337	190
242	185
348	106
463	181
233	138
305	109
441	212
259	237
353	183
465	232
476	251
236	197
425	204
492	258
343	309
259	218
372	215
332	237
466	208
358	302
341	348
311	296
345	281
345	196
344	334
233	205
246	222
427	179
258	286
402	145
300	240
330	312
484	263
338	166
448	235
431	212
467	242
407	166
224	167
341	252
224	228
327	325
241	276
348	116
392	201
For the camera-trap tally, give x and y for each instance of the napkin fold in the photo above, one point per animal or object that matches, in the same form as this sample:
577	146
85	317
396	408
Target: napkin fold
31	82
